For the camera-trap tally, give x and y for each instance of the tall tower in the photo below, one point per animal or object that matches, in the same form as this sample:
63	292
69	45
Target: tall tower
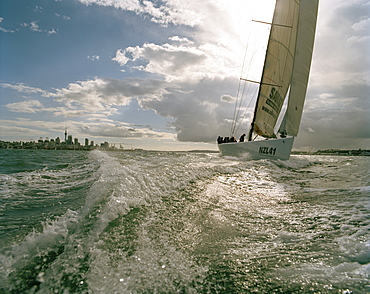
65	135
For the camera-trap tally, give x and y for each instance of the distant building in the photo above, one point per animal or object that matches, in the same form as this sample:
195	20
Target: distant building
56	144
104	145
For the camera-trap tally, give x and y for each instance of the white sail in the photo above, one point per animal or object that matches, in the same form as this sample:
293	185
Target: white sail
301	68
287	66
278	67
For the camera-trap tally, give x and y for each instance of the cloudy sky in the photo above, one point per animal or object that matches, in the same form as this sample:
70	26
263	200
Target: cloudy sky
163	74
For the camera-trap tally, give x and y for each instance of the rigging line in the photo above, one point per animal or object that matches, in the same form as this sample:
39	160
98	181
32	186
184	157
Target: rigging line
255	137
239	111
249	104
246	89
245	94
240	95
239	106
233	131
236	111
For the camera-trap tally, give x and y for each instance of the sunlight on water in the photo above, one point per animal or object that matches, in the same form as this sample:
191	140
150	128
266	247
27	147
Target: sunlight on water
166	222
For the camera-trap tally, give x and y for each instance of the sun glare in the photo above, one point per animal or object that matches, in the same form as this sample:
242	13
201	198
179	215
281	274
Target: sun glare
252	36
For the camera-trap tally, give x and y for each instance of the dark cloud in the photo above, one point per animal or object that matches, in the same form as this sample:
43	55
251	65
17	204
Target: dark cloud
337	120
111	130
336	114
200	115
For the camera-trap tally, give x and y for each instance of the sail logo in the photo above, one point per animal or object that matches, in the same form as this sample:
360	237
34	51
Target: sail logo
275	95
274	101
270	112
276	98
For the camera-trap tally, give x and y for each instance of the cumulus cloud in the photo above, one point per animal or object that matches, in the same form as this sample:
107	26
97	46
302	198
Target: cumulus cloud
199	115
34	26
30	106
65	17
205	69
362	25
3	29
98	96
93	57
94	95
20	131
193	75
338	118
51	32
39	9
164	13
33	106
340	57
20	87
179	63
29	128
227	98
179	39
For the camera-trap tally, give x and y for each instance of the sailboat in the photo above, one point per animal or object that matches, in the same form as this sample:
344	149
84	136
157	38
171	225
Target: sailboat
284	76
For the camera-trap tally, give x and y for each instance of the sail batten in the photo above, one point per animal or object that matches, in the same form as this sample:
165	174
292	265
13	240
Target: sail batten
273	24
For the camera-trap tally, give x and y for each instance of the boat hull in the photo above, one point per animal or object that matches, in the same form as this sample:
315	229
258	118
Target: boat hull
266	149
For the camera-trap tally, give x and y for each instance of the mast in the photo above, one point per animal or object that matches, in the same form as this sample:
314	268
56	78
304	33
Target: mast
250	134
277	69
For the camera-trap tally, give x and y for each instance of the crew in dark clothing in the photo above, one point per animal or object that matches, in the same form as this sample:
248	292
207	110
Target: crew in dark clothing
220	140
242	138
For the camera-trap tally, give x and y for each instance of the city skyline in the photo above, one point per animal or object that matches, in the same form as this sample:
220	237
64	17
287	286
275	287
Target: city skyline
69	142
163	74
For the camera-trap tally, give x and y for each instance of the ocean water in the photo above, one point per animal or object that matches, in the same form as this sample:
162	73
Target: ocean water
182	222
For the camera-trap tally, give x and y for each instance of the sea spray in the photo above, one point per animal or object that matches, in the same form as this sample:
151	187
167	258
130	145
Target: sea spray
146	222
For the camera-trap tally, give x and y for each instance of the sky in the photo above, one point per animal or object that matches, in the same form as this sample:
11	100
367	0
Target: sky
163	74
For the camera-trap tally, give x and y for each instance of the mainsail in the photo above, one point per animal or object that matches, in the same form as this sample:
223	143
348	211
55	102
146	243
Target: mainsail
301	68
277	71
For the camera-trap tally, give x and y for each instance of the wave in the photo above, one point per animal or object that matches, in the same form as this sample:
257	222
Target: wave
146	222
69	251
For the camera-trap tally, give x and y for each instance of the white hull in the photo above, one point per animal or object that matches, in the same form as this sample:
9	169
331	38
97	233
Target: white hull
270	149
